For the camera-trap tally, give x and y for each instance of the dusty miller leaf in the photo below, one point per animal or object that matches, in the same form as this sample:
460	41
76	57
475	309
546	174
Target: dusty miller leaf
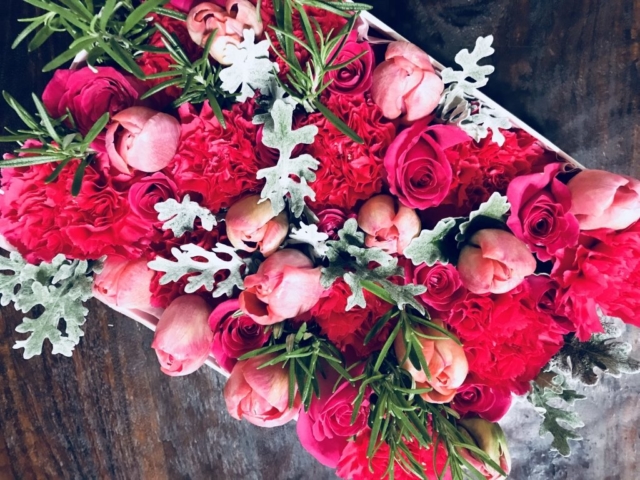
250	68
309	235
582	360
202	272
267	102
180	217
350	259
430	247
490	213
487	119
547	397
59	287
472	76
279	184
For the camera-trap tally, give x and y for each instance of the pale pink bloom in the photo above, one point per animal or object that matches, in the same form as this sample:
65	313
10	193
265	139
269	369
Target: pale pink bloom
142	138
183	338
406	83
489	438
494	261
602	199
228	24
124	283
448	366
260	396
389	225
285	286
252	226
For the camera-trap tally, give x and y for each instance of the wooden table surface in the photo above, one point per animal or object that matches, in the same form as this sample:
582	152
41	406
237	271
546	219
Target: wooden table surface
570	68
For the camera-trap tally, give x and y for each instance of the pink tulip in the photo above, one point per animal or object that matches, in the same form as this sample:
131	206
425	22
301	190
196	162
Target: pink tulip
406	83
142	138
183	338
388	225
448	366
260	395
124	283
285	286
252	226
604	200
494	261
228	24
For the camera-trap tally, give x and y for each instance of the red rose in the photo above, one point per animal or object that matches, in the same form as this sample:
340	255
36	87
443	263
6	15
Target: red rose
233	336
349	172
444	287
147	192
347	329
217	166
490	403
356	77
418	171
324	430
88	95
331	220
540	216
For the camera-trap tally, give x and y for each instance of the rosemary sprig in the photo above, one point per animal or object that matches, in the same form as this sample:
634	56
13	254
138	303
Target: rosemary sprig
100	31
58	143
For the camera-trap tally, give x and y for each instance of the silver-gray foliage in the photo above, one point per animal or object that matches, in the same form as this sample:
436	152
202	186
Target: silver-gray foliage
181	217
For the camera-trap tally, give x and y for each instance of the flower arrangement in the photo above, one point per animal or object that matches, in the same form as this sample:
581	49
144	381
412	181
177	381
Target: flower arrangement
357	237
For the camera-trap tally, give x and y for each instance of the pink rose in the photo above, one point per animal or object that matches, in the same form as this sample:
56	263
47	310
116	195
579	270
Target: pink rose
418	171
124	283
331	220
147	192
604	200
252	226
540	217
285	286
234	336
229	24
490	403
447	364
260	395
324	430
406	83
88	95
356	77
388	226
183	338
494	261
444	287
142	138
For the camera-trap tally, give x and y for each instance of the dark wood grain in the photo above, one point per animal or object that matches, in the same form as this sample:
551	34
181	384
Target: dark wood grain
570	68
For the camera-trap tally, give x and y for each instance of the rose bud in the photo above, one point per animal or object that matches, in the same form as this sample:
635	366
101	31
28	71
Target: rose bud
331	220
260	395
494	261
388	226
285	286
252	226
406	83
604	200
356	77
142	138
183	338
124	283
447	364
233	336
490	403
324	430
205	18
489	438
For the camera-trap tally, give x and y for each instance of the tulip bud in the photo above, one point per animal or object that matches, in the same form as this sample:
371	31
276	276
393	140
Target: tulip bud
388	226
124	283
183	338
447	362
260	395
406	83
604	200
252	225
489	438
142	138
494	261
